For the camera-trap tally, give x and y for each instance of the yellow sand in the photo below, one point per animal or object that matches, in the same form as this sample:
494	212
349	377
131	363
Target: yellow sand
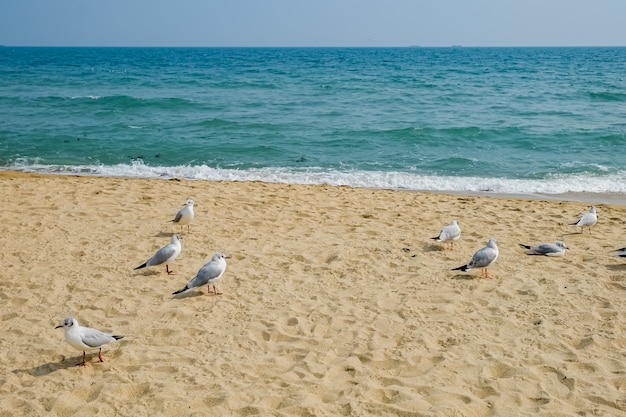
335	302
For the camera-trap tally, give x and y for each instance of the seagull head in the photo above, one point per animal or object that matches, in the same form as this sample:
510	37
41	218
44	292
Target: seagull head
67	323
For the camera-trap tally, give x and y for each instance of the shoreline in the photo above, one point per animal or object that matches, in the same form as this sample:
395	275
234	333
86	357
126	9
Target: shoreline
575	197
580	197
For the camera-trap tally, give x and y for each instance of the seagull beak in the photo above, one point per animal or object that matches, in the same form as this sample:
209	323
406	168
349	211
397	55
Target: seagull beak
58	326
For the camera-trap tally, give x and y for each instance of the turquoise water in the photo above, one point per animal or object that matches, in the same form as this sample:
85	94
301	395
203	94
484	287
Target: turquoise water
509	120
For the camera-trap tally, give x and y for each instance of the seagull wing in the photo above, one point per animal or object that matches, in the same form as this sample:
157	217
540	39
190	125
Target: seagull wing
95	338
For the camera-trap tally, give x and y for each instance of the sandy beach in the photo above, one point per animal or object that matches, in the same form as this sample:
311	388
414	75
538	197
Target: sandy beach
335	302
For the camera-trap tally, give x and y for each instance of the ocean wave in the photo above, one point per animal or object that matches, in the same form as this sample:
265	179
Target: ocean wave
556	184
607	96
117	101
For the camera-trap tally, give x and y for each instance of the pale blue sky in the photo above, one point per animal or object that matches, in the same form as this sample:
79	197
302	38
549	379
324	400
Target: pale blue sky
312	22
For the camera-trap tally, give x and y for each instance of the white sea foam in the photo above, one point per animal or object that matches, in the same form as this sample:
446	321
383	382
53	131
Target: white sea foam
612	183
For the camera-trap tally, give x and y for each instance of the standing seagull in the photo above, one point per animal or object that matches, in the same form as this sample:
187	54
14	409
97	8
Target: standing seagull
84	338
482	259
185	216
166	254
451	232
210	274
547	249
588	219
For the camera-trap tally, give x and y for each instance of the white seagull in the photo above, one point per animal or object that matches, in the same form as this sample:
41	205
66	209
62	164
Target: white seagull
210	274
85	338
166	254
547	249
482	259
185	216
587	219
451	233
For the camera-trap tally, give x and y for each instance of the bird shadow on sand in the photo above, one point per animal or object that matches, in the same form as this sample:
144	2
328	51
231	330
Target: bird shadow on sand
617	267
576	233
50	367
164	234
430	247
148	272
464	277
191	294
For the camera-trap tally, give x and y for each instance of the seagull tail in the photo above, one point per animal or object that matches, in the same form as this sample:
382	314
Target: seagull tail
143	265
524	246
182	290
117	337
461	268
435	238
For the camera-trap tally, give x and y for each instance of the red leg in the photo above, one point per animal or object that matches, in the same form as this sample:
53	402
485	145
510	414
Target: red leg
167	269
83	363
100	355
214	290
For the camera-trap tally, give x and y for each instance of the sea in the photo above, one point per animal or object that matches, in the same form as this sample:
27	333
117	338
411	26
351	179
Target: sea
531	121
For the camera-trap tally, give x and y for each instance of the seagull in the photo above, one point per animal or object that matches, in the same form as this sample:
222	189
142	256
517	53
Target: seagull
588	219
621	252
84	338
451	232
547	249
210	274
482	259
166	254
185	215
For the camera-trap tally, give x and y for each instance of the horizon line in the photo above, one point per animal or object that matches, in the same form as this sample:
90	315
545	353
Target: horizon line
417	46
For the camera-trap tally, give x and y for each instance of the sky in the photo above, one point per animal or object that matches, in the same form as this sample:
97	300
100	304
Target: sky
339	23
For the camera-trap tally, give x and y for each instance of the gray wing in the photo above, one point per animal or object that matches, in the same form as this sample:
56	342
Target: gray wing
484	257
179	215
162	255
450	232
95	338
620	252
546	248
206	274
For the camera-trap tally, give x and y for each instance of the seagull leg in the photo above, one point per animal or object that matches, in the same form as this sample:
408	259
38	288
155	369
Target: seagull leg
100	355
167	269
83	363
214	290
